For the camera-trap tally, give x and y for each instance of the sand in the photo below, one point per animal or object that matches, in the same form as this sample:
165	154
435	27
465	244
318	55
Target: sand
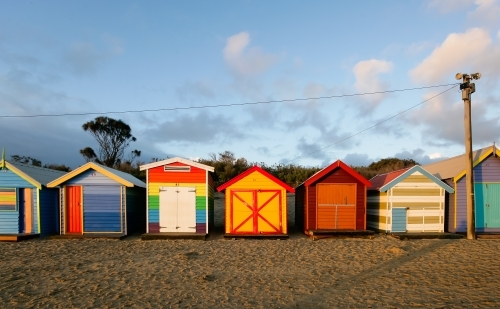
382	272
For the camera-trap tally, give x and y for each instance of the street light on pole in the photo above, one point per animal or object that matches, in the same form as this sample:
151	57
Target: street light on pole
468	88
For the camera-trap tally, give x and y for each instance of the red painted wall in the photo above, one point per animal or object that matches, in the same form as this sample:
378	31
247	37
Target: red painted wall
196	175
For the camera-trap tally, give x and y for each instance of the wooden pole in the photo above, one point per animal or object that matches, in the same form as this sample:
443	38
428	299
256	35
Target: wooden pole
469	181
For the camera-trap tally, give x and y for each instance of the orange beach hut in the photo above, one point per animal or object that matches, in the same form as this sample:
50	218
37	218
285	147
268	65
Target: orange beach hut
255	204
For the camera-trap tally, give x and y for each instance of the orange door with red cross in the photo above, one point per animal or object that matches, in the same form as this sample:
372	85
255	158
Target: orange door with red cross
255	212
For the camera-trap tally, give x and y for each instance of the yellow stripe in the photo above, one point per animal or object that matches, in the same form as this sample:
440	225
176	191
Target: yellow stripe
479	160
154	187
83	168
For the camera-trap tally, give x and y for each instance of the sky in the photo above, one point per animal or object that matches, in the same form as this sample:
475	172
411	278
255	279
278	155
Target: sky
87	56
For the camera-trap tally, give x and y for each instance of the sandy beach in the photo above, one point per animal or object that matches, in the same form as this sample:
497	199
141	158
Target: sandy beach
382	272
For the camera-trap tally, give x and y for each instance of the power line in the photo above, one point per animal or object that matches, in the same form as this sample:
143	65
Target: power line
378	123
221	105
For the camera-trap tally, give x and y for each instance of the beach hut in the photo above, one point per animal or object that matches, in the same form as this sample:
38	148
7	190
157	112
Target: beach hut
97	200
332	201
486	170
180	198
255	204
27	207
407	200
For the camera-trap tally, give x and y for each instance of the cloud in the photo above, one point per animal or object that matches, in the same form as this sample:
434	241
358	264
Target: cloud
311	150
245	62
447	6
196	90
419	156
367	81
84	58
357	159
487	12
442	121
200	128
471	51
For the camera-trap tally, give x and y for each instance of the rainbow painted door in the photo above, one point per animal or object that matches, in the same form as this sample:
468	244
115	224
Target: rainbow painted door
74	209
336	206
255	212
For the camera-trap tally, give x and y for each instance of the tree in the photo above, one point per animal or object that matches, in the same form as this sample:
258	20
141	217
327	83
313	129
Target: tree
26	160
113	136
383	166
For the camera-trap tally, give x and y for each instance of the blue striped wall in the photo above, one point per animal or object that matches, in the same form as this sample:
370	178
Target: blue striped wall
9	220
49	211
91	177
101	208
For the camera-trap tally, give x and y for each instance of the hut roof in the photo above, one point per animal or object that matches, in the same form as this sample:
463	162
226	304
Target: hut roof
455	167
36	175
386	181
331	167
248	172
119	176
176	159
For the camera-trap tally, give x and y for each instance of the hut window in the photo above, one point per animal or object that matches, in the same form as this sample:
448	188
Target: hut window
177	168
8	199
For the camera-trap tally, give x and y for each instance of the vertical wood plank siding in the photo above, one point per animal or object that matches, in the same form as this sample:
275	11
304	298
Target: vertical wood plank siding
49	211
10	219
196	177
136	210
488	171
299	208
337	176
449	211
211	202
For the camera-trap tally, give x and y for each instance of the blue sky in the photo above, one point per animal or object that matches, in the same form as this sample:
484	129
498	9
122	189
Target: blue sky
94	56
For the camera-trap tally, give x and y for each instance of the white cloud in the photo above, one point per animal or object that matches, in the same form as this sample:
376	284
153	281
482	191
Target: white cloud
460	52
367	79
487	12
435	155
447	6
246	62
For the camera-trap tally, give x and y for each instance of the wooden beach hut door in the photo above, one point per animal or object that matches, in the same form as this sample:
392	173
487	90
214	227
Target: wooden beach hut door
336	206
74	209
487	202
255	212
178	210
399	220
25	210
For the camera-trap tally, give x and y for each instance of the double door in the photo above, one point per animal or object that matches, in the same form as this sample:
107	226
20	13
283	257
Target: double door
178	210
255	212
487	205
336	206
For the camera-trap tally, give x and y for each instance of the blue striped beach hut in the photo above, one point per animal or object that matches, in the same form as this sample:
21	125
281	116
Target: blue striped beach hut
28	208
99	200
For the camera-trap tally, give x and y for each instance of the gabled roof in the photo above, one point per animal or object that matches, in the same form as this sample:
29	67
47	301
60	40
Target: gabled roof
381	180
330	168
453	167
176	159
384	182
37	176
118	176
248	172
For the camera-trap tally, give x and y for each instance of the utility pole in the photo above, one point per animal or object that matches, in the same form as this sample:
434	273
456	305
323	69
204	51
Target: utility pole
468	88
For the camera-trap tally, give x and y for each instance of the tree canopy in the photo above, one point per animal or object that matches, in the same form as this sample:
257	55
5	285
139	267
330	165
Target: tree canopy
36	162
112	136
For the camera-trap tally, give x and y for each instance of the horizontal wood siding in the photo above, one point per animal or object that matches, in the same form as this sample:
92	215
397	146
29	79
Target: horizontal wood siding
9	179
101	209
136	210
339	176
195	177
49	211
488	170
376	210
299	208
91	177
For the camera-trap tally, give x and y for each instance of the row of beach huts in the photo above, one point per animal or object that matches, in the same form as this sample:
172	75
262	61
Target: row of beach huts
178	200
